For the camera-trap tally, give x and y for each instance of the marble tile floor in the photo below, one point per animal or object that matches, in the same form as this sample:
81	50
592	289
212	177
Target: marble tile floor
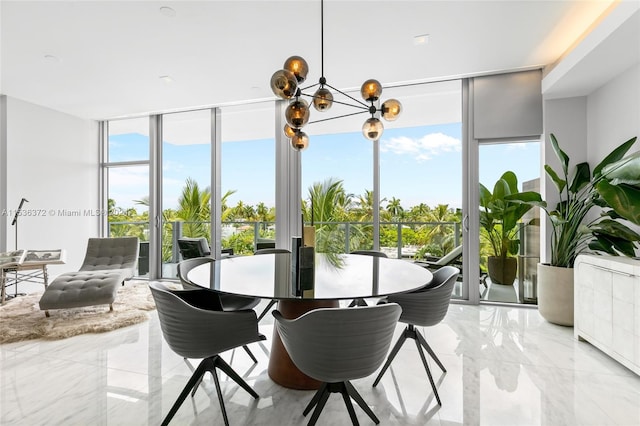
506	366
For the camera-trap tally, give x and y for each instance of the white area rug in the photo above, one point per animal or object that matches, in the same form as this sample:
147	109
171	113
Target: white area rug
21	318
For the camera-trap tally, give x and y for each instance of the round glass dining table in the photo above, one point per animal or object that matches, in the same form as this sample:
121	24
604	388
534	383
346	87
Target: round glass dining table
335	277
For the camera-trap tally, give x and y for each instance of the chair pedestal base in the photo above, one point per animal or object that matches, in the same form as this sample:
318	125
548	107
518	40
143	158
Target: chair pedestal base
209	364
348	392
282	370
411	333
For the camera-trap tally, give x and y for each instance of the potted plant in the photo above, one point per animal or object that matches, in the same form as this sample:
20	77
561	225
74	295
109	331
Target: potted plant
500	217
614	186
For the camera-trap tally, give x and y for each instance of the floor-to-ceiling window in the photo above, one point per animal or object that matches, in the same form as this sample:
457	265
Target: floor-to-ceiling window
186	180
337	181
248	177
126	175
421	174
419	163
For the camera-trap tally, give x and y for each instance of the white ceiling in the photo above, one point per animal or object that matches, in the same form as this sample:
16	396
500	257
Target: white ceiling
109	55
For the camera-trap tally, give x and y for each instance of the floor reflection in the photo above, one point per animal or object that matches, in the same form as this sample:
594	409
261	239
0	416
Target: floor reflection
505	365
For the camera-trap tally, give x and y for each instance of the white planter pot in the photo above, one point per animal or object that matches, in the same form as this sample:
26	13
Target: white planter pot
555	294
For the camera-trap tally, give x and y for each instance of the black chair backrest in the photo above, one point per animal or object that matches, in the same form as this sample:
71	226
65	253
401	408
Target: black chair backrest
271	251
374	253
193	247
429	305
263	243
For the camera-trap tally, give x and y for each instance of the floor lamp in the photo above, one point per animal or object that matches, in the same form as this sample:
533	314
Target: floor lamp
15	223
15	218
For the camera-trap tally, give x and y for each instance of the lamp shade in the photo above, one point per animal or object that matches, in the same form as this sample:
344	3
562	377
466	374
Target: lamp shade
284	84
297	113
322	99
298	66
371	90
372	129
288	131
391	109
300	141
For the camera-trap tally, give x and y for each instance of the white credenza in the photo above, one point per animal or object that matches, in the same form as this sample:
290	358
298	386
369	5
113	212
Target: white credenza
607	306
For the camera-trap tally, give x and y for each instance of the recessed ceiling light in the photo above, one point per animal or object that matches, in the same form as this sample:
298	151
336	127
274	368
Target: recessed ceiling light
166	78
51	59
419	40
167	11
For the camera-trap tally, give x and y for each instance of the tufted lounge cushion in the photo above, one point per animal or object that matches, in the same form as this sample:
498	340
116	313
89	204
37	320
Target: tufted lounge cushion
76	289
111	253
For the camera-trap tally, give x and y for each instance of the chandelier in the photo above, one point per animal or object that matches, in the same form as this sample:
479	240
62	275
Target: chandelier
286	82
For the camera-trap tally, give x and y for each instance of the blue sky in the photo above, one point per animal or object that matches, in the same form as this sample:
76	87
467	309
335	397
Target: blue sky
418	164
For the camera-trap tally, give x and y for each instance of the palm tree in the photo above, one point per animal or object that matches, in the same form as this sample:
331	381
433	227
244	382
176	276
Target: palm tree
194	209
395	209
363	212
417	213
224	207
330	205
442	234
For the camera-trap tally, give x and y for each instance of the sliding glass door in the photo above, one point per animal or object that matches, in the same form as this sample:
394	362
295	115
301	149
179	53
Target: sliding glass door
508	269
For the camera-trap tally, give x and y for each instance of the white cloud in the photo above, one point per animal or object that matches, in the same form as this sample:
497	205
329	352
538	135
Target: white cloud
422	149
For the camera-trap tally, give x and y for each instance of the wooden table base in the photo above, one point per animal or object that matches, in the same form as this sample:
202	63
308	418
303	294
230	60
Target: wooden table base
281	369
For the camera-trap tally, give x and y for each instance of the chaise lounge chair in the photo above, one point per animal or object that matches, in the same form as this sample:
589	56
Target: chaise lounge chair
108	262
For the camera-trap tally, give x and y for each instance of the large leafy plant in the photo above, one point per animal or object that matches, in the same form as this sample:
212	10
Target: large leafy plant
614	185
499	216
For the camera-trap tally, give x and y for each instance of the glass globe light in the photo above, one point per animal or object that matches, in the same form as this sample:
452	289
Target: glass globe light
371	90
372	129
297	113
300	141
322	99
391	109
289	131
298	66
284	84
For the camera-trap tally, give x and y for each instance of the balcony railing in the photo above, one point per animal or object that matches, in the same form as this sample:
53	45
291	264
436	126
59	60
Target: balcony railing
398	239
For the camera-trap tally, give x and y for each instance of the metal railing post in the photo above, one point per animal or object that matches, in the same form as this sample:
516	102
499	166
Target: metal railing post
399	243
256	234
347	237
176	232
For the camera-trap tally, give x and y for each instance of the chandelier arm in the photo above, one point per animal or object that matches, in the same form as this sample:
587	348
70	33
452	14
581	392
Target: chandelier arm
348	96
309	87
337	102
337	116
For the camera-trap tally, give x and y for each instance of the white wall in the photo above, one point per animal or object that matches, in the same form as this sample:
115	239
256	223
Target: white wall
589	127
567	120
613	115
3	172
52	161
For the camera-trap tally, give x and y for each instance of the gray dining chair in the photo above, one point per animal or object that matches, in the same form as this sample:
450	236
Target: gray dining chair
226	301
374	253
424	307
337	345
269	250
193	330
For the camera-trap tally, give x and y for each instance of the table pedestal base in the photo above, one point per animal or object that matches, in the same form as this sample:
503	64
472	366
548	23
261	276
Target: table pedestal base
281	369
